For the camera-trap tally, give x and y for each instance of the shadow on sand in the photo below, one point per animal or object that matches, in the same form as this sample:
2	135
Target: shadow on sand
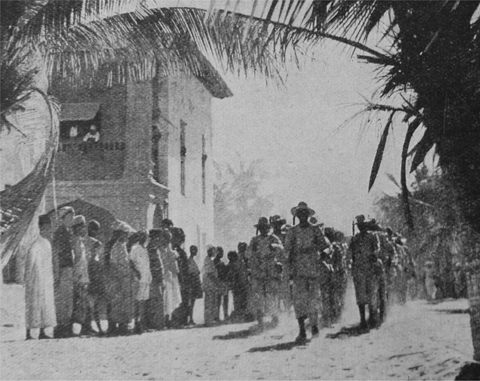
456	311
243	334
350	331
279	347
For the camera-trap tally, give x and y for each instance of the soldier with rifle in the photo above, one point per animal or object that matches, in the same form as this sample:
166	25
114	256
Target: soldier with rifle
284	297
303	244
364	248
263	253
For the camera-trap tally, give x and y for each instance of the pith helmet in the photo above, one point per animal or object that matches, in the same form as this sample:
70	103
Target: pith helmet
302	206
262	221
277	220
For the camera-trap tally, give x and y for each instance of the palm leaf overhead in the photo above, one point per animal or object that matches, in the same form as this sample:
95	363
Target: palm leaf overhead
428	48
75	40
127	37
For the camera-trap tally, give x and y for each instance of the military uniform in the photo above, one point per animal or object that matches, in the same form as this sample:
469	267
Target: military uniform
384	271
303	245
339	279
401	280
363	246
263	253
284	291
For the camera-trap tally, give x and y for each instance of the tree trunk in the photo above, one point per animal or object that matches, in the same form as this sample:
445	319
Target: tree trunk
461	163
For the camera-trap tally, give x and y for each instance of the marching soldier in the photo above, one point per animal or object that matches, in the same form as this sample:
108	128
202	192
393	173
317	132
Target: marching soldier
405	267
263	251
386	255
364	248
303	245
284	298
339	263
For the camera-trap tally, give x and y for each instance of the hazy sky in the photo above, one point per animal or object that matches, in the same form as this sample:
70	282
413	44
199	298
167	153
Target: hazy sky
296	131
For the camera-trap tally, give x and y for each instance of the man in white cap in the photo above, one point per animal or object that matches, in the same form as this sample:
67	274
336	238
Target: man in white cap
63	270
121	279
264	252
96	273
304	243
80	275
38	280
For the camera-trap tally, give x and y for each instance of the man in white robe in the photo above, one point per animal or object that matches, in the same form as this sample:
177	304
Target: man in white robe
39	294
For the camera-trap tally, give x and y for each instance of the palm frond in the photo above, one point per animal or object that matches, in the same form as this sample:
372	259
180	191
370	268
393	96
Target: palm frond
421	149
17	79
171	36
19	203
380	149
412	127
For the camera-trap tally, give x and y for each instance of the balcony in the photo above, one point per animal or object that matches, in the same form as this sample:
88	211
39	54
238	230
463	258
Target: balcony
80	161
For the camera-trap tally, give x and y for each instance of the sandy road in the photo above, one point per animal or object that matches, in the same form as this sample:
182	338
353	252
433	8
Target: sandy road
419	341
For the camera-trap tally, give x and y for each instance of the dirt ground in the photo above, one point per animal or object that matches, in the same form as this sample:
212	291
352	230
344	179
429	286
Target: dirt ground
419	341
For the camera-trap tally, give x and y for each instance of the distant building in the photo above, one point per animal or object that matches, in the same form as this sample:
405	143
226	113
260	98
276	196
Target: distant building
151	155
148	157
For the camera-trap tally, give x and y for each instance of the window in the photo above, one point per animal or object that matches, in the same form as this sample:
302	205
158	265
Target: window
204	175
156	136
183	154
80	121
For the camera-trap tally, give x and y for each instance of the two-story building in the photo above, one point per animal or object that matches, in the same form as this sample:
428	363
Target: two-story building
149	158
149	154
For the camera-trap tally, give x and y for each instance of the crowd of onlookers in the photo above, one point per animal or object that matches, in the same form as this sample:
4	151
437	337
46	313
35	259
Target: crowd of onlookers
136	280
139	280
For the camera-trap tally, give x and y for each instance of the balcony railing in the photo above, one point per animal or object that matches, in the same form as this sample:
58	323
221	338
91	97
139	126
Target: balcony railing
80	161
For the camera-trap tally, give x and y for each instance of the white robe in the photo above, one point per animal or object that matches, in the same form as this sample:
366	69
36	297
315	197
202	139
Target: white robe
172	296
39	294
120	285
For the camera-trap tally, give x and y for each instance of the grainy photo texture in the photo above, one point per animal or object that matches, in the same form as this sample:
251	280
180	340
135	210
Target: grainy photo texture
240	190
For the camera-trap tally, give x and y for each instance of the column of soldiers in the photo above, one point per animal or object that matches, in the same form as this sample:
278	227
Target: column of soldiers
295	265
79	285
306	266
381	267
147	277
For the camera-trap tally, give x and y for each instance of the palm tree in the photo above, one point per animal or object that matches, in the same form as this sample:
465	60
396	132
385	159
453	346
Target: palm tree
431	49
129	40
438	224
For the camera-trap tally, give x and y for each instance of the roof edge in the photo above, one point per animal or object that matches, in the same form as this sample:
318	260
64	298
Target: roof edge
212	80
